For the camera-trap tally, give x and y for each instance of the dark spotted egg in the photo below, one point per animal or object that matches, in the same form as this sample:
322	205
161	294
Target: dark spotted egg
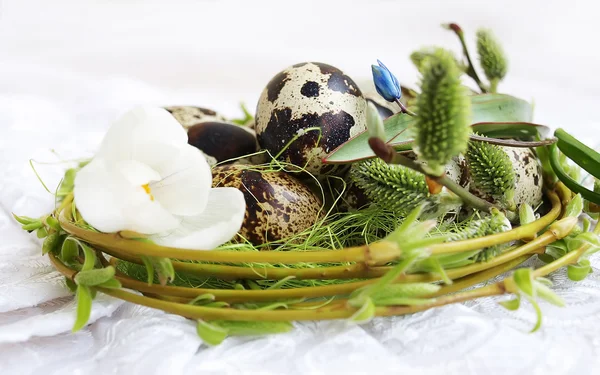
189	116
278	205
222	141
309	95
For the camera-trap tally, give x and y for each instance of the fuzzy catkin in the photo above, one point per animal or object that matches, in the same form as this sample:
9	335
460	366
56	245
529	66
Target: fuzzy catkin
491	170
441	128
392	187
491	57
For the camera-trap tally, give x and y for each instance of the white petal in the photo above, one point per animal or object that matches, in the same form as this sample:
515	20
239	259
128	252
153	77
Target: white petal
139	131
109	202
96	197
185	184
217	224
137	173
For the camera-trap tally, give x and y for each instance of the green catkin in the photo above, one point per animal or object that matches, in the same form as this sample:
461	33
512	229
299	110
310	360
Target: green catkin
418	57
492	224
492	171
392	187
491	57
441	129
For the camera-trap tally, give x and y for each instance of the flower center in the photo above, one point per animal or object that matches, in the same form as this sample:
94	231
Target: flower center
148	191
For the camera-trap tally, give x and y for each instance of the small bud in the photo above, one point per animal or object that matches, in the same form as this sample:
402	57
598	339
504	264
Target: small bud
375	123
441	129
386	83
526	214
491	57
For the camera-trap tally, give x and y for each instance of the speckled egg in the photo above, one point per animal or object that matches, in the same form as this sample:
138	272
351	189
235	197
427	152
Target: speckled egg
222	141
304	96
528	176
277	205
189	116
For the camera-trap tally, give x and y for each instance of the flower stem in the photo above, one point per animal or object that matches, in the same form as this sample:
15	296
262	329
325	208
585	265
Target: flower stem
403	109
471	72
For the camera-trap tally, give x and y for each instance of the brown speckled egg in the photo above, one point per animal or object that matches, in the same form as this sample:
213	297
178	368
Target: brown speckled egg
222	141
189	116
309	95
277	205
528	177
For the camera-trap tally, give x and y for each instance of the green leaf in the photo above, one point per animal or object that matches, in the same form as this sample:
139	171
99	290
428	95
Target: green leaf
526	214
53	223
513	114
511	304
257	328
51	243
33	226
71	285
365	313
579	271
202	299
524	280
149	268
434	264
164	269
69	250
569	182
584	156
211	334
548	294
90	257
94	277
217	304
84	307
41	232
111	284
25	220
574	207
538	313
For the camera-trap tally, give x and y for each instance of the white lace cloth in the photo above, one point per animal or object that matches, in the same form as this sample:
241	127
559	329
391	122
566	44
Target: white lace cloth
37	311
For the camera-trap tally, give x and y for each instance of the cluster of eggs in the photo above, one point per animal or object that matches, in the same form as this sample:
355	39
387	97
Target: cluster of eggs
304	113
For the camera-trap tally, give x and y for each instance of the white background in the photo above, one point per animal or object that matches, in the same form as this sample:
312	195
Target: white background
67	68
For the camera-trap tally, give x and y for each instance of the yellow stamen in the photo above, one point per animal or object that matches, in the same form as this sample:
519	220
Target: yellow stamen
148	191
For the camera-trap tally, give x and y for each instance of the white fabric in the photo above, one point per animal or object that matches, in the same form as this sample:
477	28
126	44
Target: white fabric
214	54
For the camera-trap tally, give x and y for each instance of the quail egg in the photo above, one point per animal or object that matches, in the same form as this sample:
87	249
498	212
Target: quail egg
303	96
277	205
189	116
222	141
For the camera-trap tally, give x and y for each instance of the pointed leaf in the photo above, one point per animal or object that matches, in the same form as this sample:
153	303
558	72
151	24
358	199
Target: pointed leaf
511	304
365	313
211	334
574	207
548	294
95	276
84	307
524	280
578	272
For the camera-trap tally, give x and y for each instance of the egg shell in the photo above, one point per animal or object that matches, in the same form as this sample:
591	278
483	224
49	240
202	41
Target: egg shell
189	116
528	177
309	95
277	205
222	141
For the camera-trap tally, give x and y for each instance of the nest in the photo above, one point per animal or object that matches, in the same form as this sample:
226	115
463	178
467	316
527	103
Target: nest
369	263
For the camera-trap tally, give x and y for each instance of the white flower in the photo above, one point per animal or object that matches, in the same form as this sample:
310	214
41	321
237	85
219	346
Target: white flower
146	178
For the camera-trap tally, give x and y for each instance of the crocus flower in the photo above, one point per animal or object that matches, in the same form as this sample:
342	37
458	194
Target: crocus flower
385	83
145	178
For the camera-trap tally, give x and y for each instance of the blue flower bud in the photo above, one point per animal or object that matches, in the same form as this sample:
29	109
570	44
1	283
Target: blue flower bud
386	84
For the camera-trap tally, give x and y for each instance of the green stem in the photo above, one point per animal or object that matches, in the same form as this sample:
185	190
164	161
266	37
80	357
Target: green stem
403	109
471	72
